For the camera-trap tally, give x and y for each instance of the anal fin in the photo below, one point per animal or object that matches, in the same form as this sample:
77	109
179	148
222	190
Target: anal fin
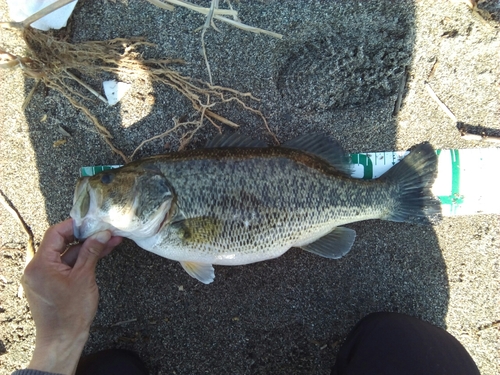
201	271
334	245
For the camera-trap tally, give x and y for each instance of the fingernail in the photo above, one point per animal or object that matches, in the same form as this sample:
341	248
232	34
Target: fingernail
102	237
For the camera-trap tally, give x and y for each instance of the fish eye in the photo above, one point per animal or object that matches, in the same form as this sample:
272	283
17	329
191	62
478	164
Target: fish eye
106	178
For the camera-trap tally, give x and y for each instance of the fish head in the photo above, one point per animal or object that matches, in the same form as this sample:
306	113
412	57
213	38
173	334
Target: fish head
130	202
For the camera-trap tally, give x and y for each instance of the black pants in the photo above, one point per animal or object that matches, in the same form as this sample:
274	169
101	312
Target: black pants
112	362
389	343
380	344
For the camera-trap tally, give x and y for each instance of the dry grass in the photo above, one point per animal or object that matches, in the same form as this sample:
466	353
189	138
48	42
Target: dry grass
54	62
57	64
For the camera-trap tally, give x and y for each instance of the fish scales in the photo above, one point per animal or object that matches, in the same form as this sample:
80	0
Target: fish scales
237	202
263	200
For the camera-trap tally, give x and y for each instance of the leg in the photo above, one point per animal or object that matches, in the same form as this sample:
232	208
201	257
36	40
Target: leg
390	343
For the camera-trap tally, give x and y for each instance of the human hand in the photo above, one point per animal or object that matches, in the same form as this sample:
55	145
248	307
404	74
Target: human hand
61	290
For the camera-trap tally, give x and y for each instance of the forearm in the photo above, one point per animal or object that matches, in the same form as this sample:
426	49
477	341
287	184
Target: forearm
58	356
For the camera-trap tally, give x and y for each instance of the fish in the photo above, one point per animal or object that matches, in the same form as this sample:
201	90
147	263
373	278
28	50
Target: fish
238	201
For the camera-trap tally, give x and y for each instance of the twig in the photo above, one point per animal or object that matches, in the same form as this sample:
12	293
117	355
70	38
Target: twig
186	137
252	29
276	141
59	82
30	95
439	102
219	129
53	59
124	322
433	69
162	5
177	125
461	128
221	119
208	21
106	135
30	247
401	91
99	96
8	60
215	12
235	17
256	111
196	8
476	137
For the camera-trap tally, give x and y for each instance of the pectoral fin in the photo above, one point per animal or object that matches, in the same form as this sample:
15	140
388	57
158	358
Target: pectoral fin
200	230
334	245
201	271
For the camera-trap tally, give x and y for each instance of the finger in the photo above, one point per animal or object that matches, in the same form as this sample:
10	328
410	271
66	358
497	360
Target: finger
55	240
92	250
113	242
71	255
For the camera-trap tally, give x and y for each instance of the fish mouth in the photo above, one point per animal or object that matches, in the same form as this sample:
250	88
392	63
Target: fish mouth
82	202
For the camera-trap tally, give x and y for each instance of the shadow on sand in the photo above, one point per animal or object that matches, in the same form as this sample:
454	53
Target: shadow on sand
338	72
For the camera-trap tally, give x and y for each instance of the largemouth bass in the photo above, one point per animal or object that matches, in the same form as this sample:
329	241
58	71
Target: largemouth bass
237	202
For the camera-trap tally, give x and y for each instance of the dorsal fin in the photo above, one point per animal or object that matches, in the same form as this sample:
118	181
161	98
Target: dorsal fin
234	140
325	148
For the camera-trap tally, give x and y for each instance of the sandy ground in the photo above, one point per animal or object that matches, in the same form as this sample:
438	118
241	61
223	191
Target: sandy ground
337	70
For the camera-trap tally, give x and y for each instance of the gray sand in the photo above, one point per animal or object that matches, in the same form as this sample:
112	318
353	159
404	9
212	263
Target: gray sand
337	70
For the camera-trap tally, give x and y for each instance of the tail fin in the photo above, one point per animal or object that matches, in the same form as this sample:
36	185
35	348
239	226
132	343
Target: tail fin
413	178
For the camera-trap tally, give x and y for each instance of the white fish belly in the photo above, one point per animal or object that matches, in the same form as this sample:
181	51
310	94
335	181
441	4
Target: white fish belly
210	254
234	253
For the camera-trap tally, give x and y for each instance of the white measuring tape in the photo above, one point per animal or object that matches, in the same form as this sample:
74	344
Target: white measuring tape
467	182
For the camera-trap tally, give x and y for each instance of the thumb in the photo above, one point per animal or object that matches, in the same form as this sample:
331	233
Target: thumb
92	250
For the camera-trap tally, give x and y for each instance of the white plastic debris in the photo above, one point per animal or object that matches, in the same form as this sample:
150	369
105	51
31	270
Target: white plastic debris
20	10
115	91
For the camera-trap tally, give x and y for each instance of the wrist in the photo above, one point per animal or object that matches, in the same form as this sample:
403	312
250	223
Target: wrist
58	355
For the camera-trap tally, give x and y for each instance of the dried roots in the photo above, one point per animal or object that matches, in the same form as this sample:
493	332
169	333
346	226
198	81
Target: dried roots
57	63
